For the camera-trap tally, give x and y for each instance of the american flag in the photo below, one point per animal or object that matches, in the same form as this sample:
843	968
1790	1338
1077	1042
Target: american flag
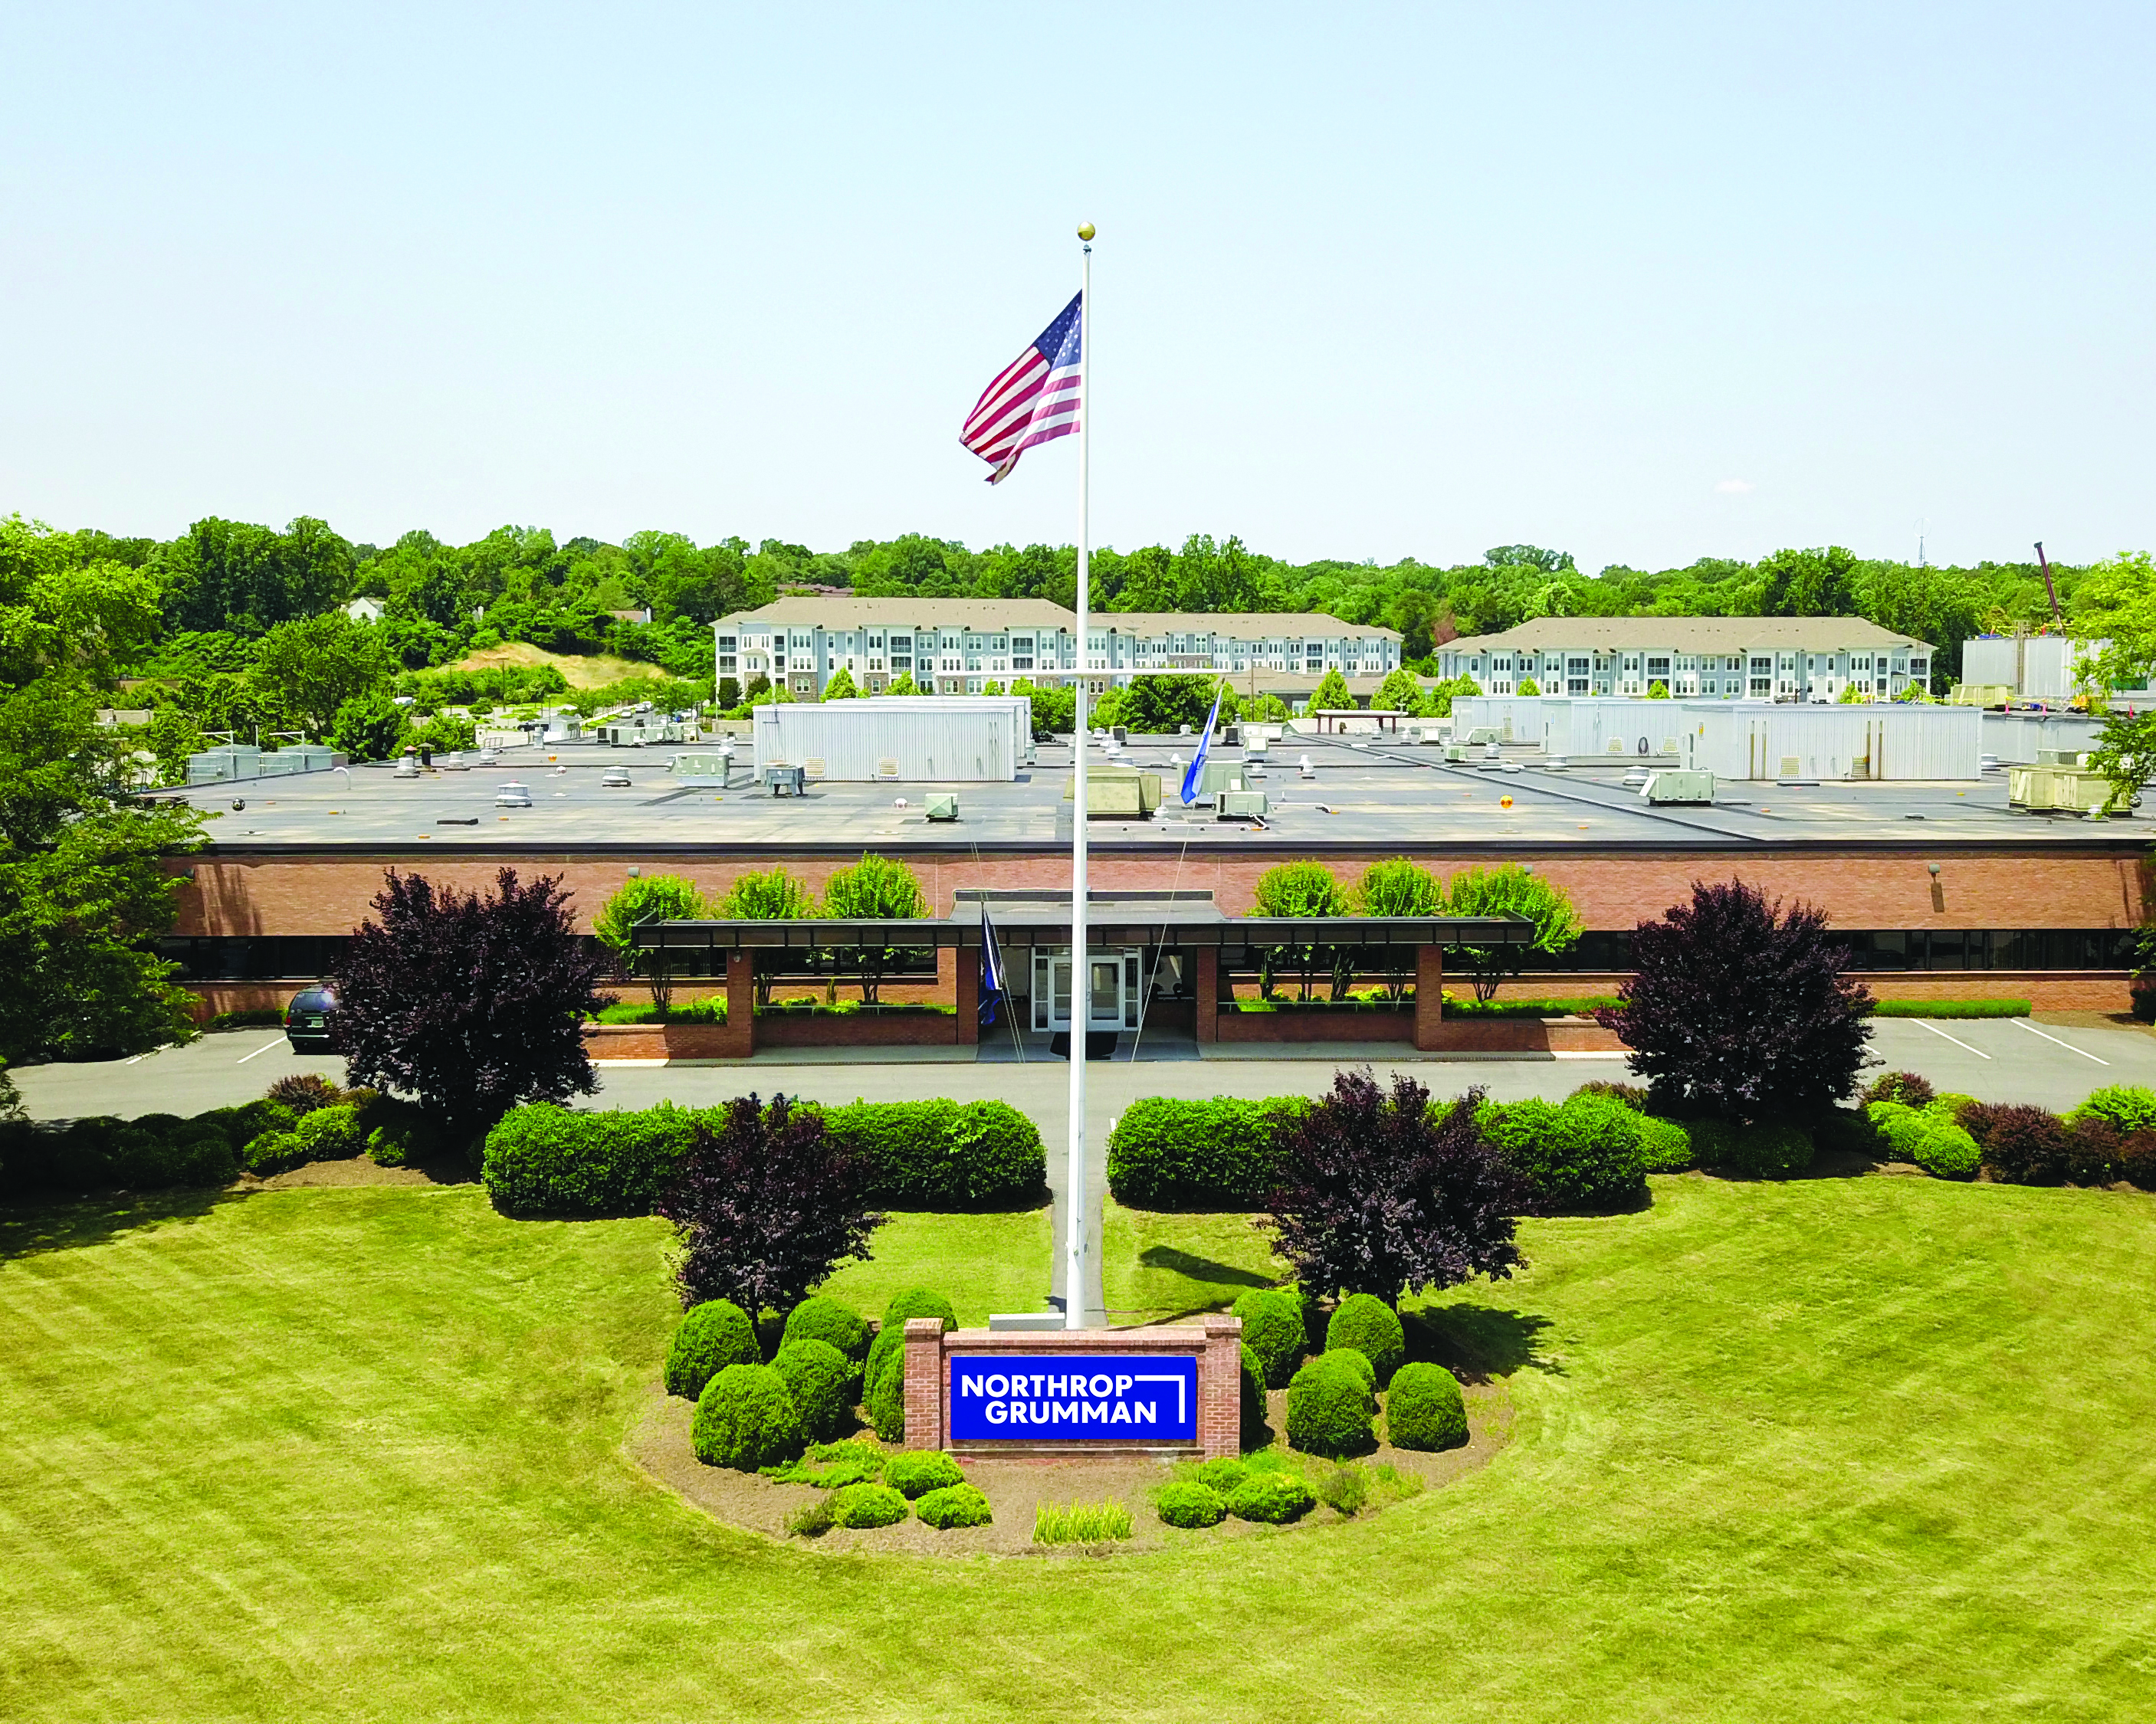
1034	399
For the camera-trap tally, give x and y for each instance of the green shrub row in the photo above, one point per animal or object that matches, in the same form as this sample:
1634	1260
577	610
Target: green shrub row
1951	1008
938	1155
1217	1154
161	1150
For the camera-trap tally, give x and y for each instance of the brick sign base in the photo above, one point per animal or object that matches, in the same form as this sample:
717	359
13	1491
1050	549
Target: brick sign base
1217	1345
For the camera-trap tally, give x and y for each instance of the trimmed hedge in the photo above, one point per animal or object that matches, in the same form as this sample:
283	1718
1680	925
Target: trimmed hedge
1951	1008
884	1382
1185	1502
916	1472
543	1159
1763	1152
867	1505
1272	1497
1329	1408
273	1153
1252	1397
747	1419
954	1506
1273	1330
1584	1155
1366	1325
1169	1154
1425	1409
820	1378
1222	1473
153	1153
1931	1136
945	1155
709	1338
1354	1359
821	1318
332	1133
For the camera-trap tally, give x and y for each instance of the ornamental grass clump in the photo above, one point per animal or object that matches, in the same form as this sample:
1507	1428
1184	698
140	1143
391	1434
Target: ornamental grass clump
1330	1406
1371	1327
916	1472
867	1505
1273	1332
709	1338
746	1419
1425	1409
1081	1522
820	1379
1275	1498
1185	1502
960	1505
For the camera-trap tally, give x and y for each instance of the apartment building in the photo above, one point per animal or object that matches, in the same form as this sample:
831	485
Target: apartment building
1704	658
957	646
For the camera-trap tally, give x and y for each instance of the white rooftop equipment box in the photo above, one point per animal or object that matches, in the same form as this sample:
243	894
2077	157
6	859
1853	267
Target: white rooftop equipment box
898	739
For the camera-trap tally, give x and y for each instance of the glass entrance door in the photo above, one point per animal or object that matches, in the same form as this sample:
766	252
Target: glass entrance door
1111	999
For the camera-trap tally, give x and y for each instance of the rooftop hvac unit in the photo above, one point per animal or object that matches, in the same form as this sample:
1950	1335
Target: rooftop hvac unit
942	805
1679	786
1219	776
1242	805
1257	748
1455	751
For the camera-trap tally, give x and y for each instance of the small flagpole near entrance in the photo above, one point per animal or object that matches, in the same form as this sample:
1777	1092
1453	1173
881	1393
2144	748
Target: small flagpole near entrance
1081	976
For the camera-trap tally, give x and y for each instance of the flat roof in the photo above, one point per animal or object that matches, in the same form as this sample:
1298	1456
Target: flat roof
1362	795
1705	634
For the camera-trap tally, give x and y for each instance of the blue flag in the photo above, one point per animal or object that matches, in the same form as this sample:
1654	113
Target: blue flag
992	970
1192	779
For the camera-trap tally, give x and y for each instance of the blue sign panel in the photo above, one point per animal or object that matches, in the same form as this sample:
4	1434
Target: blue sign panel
1087	1397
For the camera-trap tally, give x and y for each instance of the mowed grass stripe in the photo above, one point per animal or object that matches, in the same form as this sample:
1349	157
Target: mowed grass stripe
1789	1451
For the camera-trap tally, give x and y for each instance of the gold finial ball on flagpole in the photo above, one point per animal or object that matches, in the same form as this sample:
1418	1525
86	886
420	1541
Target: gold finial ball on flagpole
1086	230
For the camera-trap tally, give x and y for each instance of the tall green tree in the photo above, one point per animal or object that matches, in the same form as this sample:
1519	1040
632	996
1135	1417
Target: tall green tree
1331	694
83	884
310	668
1509	890
654	897
874	888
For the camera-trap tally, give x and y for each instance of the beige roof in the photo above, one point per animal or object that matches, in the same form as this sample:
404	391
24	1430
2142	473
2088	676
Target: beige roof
1687	634
1241	625
805	610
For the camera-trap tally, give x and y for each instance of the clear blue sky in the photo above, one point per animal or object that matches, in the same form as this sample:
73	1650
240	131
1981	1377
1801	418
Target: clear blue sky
1642	282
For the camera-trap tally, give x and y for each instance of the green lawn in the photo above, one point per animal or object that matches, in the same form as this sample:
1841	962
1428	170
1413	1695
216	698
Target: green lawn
1154	1267
1832	1449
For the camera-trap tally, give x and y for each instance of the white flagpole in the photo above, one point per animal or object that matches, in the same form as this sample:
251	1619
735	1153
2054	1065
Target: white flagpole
1082	979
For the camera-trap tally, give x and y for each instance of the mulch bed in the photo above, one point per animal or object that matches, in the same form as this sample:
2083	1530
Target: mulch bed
1014	1488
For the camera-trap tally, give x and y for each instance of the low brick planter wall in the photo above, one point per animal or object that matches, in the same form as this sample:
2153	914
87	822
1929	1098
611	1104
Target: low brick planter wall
665	1041
1291	1024
858	1029
1528	1035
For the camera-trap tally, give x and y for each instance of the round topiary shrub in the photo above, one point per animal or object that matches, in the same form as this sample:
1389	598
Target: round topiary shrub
1274	1497
1425	1409
820	1378
746	1418
916	1472
883	1395
1353	1358
1272	1329
1946	1152
711	1336
1329	1407
1254	1408
954	1506
1769	1151
867	1505
1372	1328
1222	1474
1665	1146
821	1319
918	1302
1185	1502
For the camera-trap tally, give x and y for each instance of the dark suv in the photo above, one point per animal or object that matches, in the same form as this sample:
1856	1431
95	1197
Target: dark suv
310	1019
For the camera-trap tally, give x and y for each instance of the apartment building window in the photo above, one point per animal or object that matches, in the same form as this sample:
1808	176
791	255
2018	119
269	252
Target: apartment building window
1021	652
1658	670
729	656
1576	673
1762	678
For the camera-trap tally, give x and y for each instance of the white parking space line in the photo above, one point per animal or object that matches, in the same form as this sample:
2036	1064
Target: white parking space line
1923	1023
264	1049
2023	1024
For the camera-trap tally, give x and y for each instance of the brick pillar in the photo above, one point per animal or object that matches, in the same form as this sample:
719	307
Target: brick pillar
960	971
1220	1388
924	1383
740	1006
1430	997
1207	987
